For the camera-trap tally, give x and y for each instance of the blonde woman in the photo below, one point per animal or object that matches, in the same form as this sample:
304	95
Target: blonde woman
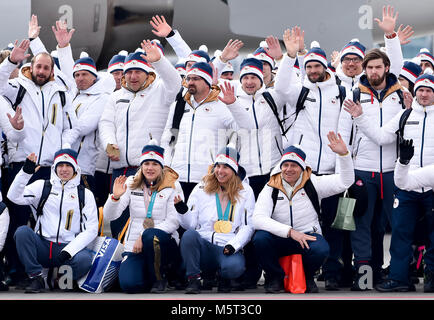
216	219
151	237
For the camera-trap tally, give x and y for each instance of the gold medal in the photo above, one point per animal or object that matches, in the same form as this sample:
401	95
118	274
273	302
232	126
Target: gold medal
222	226
217	226
225	226
148	223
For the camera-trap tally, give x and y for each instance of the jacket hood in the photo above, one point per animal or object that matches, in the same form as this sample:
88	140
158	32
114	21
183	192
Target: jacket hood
276	180
105	83
26	75
169	178
392	85
151	78
328	82
56	181
212	96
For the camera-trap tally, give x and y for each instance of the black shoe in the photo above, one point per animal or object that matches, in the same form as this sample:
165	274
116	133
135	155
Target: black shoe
224	285
193	286
331	284
22	284
274	286
159	286
208	283
249	285
3	286
236	285
16	279
394	286
36	285
311	286
428	281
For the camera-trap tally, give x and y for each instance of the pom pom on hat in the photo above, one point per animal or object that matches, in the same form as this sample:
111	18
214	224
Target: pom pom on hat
116	63
152	151
315	54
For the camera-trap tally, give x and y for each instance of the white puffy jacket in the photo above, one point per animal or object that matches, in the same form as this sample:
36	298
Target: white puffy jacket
417	128
203	132
45	121
367	154
60	220
297	207
260	134
320	115
4	227
411	180
202	215
130	117
164	213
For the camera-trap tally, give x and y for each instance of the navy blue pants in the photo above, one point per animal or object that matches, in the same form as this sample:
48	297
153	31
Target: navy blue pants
406	211
269	248
200	255
37	253
367	239
139	271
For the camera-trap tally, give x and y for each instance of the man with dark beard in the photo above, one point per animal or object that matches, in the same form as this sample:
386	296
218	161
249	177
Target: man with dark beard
378	94
46	107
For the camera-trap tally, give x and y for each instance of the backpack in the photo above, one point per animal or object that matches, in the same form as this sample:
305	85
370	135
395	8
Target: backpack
303	96
22	92
269	98
46	192
310	190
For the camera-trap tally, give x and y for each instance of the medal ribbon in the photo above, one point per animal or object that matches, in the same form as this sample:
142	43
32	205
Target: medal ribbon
222	216
151	205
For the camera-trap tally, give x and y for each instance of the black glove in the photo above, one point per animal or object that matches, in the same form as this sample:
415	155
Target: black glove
29	167
228	250
406	151
181	207
63	256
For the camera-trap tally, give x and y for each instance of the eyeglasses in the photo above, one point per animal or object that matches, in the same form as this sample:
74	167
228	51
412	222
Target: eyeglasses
192	79
355	60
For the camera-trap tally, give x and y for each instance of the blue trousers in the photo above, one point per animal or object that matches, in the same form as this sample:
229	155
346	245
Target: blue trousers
367	239
37	253
407	208
139	271
269	248
200	255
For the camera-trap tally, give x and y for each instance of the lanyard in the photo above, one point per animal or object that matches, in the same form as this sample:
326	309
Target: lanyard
151	205
219	209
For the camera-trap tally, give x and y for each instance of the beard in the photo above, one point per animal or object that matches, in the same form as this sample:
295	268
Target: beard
377	81
192	90
41	80
321	77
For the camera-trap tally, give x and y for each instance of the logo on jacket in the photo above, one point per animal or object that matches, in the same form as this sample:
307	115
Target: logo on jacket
396	203
72	196
359	183
161	196
207	109
333	100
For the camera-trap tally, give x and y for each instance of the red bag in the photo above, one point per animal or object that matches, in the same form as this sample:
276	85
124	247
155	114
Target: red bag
295	280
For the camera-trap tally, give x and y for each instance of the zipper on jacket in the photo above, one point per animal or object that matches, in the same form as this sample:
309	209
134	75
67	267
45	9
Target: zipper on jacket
60	212
290	213
358	146
381	147
319	130
126	135
257	135
212	237
42	143
423	140
189	146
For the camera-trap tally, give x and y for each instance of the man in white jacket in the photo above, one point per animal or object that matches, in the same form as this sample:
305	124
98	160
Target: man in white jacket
63	227
136	111
408	124
286	216
91	91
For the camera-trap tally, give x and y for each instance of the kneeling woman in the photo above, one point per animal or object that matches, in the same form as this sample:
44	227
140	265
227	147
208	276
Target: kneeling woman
216	219
151	238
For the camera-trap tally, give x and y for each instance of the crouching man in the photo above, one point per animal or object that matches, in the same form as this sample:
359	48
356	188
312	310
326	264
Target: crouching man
287	213
66	219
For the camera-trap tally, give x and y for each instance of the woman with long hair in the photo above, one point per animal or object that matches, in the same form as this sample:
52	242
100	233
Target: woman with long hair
151	236
217	222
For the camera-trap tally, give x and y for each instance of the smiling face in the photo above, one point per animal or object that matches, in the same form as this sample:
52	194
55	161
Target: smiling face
223	173
41	69
135	79
291	172
151	170
64	171
315	72
352	65
250	83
